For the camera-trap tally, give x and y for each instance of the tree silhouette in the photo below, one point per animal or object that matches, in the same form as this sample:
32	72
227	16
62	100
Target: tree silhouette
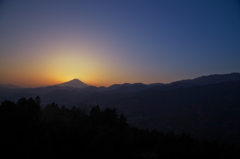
63	132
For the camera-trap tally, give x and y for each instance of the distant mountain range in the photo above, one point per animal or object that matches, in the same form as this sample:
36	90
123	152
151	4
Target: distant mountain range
77	84
205	107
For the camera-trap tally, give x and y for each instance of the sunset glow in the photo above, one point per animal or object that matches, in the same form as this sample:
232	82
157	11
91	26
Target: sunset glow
116	42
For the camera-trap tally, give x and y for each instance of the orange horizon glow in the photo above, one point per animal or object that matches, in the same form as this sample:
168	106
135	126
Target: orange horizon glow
60	61
41	82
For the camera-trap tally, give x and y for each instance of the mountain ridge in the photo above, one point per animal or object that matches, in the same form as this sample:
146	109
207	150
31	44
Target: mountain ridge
202	80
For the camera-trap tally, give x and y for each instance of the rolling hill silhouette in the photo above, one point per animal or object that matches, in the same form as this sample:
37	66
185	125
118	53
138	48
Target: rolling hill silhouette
10	86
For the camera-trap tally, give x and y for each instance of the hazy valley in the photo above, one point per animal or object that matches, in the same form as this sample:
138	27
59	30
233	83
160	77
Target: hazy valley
207	107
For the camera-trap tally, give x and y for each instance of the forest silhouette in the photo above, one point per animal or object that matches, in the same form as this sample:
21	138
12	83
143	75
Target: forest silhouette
55	131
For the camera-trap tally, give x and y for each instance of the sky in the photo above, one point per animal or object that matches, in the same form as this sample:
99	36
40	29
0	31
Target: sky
105	42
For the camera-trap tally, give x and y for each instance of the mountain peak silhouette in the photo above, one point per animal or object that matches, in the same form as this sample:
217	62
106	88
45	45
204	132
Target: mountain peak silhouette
76	83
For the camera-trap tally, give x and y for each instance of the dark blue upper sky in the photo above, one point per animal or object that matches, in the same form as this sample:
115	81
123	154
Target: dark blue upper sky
104	42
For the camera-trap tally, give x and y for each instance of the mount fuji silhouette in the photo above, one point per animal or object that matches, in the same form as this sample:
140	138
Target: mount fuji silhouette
76	83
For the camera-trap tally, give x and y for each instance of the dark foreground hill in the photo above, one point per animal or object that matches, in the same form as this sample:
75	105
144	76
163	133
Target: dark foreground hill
55	132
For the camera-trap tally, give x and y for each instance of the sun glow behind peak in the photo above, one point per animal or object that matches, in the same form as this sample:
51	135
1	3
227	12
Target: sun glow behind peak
59	62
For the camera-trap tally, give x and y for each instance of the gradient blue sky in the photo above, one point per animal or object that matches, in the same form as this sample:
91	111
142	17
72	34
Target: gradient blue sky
100	42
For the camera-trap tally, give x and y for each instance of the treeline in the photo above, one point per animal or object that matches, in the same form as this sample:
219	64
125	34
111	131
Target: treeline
27	130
